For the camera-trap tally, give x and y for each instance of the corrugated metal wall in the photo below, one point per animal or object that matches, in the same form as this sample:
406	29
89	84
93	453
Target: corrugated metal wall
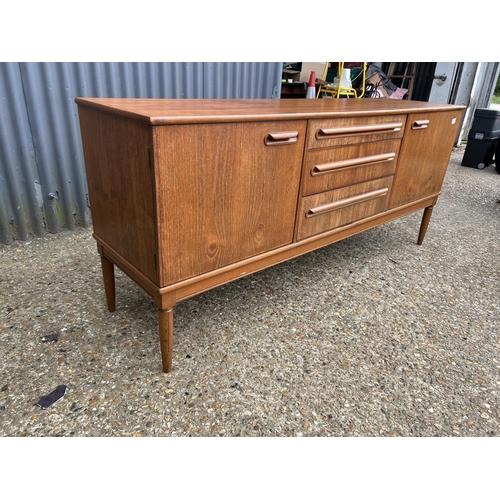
42	176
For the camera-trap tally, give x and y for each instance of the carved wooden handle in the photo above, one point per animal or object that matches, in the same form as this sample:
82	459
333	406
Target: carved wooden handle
279	138
419	124
328	167
329	207
325	133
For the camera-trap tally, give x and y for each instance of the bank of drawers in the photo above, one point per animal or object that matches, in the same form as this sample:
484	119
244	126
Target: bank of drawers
347	172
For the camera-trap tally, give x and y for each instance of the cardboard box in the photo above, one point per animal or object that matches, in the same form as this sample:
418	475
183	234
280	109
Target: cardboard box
307	67
291	74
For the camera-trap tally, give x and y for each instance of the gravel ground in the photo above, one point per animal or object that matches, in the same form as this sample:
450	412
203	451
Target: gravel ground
372	336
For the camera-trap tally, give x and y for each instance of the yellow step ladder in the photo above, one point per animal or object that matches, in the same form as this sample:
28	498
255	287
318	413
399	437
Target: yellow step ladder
338	89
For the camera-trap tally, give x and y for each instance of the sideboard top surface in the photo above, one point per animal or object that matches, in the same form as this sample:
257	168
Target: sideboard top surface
169	111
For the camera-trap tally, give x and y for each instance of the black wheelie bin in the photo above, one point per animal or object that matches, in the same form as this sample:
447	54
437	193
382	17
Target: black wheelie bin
482	138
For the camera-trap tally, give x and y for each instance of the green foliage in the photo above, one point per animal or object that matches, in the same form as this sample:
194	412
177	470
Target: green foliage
496	95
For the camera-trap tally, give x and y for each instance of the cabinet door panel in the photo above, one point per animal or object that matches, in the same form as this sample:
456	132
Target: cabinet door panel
424	156
225	192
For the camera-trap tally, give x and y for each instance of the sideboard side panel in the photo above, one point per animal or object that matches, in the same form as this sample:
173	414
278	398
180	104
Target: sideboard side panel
120	183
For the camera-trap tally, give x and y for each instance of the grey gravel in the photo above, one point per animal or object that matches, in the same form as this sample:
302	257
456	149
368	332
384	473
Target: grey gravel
372	336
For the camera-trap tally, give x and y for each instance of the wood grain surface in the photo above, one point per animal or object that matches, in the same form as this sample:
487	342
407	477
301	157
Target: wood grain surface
222	194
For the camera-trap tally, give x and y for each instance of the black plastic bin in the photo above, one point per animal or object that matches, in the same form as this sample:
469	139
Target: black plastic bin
497	157
482	138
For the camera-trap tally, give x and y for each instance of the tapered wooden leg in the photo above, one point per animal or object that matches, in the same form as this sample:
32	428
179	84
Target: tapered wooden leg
166	324
108	274
424	224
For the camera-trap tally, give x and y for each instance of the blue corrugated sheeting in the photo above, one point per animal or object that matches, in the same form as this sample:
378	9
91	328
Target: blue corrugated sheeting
42	175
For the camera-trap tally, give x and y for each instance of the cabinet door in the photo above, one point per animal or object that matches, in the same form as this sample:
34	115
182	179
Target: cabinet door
424	156
225	192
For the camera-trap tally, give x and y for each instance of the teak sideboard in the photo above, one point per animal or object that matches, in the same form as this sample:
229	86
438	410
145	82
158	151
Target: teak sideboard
189	194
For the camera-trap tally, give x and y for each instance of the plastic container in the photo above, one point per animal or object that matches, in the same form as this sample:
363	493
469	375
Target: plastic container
486	124
497	157
482	138
479	153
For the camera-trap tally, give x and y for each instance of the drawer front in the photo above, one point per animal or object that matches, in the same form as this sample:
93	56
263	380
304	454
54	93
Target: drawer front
339	207
326	169
354	130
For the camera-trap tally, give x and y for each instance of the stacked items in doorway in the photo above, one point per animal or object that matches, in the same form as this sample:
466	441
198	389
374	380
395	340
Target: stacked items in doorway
378	84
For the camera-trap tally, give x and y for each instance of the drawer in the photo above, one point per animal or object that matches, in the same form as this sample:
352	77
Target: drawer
326	169
353	130
325	211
